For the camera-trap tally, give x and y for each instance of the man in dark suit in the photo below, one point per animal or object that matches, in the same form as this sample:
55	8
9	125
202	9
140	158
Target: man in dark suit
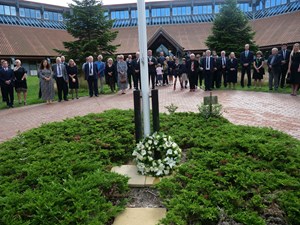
3	98
246	59
222	62
152	68
285	59
274	68
130	70
208	69
136	71
91	75
192	69
7	78
216	82
61	76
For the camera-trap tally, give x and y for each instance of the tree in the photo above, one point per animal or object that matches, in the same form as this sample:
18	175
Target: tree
91	30
231	30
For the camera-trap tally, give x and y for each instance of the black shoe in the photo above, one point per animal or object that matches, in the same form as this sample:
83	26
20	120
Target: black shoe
96	95
59	100
66	99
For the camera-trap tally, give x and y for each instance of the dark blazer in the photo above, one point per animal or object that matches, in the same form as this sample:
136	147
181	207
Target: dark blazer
63	70
189	66
276	65
220	63
7	75
211	66
130	68
249	59
161	59
136	65
287	55
233	64
87	72
152	68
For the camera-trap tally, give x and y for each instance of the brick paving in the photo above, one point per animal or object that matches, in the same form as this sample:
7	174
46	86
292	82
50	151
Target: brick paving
279	111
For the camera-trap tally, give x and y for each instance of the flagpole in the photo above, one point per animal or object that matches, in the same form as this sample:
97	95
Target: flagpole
144	65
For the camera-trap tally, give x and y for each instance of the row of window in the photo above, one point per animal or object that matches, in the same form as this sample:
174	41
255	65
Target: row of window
30	13
197	10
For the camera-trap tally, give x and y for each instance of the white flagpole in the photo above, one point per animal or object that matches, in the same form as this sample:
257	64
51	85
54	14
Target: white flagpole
144	64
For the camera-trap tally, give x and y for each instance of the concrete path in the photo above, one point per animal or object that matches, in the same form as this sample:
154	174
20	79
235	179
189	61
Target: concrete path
279	111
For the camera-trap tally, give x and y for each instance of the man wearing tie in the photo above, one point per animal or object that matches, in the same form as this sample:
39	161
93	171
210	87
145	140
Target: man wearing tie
246	59
208	69
91	75
136	71
285	58
223	68
61	76
192	68
152	68
274	66
7	78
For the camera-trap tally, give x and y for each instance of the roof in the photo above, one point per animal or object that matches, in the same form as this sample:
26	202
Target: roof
269	32
31	41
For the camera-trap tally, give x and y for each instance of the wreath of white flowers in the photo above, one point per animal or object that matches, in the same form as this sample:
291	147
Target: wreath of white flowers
157	155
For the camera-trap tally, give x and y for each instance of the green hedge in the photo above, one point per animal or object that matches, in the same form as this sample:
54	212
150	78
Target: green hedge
238	171
59	173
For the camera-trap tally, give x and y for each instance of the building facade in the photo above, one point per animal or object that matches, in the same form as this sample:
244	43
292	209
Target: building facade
31	31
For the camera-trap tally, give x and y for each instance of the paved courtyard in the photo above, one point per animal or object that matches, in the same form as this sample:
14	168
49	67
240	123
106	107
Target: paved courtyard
279	111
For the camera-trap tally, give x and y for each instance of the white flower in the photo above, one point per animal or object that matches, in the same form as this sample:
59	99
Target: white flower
166	172
149	152
171	162
169	152
150	142
150	158
155	142
143	152
175	152
174	145
134	153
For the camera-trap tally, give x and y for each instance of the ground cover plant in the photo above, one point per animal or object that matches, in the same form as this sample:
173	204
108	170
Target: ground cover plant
249	175
59	173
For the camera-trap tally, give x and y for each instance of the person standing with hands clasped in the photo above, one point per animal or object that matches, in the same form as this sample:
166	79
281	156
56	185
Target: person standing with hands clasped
7	78
46	81
60	75
20	82
91	76
294	69
72	71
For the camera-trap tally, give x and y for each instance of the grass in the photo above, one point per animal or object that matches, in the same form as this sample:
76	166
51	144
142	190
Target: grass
59	173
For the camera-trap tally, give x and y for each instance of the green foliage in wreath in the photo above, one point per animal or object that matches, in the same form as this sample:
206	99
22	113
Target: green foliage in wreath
157	155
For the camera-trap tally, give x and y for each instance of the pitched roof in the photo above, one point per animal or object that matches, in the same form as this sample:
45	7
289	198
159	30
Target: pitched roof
269	32
31	41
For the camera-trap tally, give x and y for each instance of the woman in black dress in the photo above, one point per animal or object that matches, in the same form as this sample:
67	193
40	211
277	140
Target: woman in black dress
20	82
110	74
258	71
232	68
294	69
72	71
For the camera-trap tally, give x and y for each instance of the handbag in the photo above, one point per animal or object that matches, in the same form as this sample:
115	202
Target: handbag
123	78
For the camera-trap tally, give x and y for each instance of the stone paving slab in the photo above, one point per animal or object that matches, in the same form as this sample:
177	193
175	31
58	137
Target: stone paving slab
135	179
140	216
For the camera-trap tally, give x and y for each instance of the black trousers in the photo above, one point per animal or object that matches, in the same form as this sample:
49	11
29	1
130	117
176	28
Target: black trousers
223	74
152	76
246	69
8	94
193	77
282	75
130	75
2	93
208	76
111	82
62	88
200	77
137	81
165	78
93	86
216	82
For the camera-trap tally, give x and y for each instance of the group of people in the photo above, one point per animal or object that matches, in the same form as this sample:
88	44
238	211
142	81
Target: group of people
210	69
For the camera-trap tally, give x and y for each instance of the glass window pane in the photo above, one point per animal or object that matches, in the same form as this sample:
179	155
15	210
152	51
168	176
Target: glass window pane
46	15
188	10
196	10
27	13
126	14
147	12
272	3
38	14
117	15
32	13
55	16
13	11
1	9
61	18
209	9
50	15
113	15
174	11
6	10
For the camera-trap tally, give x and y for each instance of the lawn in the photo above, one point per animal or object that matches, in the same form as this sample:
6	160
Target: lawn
59	173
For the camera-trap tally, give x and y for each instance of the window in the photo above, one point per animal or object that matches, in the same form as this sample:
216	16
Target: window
27	13
205	9
134	14
245	7
38	14
61	18
105	13
1	9
217	8
147	12
6	10
32	13
160	12
55	16
120	15
46	15
50	15
181	11
13	11
260	6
